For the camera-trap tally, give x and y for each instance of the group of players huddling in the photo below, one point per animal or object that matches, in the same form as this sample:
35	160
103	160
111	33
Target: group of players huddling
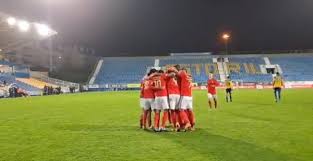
170	93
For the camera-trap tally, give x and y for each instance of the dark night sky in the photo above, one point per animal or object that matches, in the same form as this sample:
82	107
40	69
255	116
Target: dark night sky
155	27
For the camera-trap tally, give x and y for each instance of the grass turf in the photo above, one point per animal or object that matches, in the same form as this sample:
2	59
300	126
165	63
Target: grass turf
104	126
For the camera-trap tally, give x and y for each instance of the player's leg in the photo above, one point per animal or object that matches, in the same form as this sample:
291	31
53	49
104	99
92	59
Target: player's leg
157	111
191	117
173	118
190	114
215	100
230	97
164	106
275	94
177	120
169	117
149	118
227	95
144	120
210	99
156	120
141	119
145	105
185	102
164	119
279	93
141	102
172	105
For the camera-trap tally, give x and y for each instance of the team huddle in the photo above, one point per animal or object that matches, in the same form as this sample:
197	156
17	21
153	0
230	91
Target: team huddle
170	93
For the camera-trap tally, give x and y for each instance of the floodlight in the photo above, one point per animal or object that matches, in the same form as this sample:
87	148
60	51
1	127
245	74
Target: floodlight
11	21
226	36
43	30
24	26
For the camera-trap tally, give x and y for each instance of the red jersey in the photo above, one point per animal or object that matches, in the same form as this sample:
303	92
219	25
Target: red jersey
212	84
159	83
185	84
148	89
173	86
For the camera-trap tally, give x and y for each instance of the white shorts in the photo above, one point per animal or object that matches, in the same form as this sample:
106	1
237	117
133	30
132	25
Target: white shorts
142	103
211	96
186	102
161	103
148	103
174	100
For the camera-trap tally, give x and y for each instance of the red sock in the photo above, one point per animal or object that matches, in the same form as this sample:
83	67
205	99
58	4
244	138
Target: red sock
173	117
184	117
156	120
191	117
179	120
170	117
164	118
149	118
141	120
144	118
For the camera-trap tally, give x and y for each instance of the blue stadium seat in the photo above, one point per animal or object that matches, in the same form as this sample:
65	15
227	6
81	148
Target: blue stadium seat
295	67
243	76
190	62
127	70
123	70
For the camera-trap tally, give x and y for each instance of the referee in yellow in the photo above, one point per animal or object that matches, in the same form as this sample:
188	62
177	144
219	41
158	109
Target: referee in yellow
278	84
229	88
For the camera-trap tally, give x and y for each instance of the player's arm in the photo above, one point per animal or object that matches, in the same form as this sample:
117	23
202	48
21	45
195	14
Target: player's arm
142	90
172	69
170	75
167	76
217	83
153	75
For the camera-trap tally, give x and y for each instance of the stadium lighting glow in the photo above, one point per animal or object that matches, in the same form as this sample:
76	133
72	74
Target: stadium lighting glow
24	26
11	21
43	30
226	36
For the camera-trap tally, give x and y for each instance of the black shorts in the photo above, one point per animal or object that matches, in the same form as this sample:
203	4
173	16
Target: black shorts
277	89
228	90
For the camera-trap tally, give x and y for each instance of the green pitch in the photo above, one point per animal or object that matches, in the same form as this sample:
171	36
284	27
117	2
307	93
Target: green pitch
104	126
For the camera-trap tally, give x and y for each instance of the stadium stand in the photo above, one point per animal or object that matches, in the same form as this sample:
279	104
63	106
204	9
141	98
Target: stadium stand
295	67
34	82
123	70
10	80
199	66
247	69
241	68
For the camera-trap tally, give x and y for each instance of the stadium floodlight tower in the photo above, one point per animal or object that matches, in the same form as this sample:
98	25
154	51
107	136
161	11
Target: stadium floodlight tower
226	38
44	30
11	21
23	26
